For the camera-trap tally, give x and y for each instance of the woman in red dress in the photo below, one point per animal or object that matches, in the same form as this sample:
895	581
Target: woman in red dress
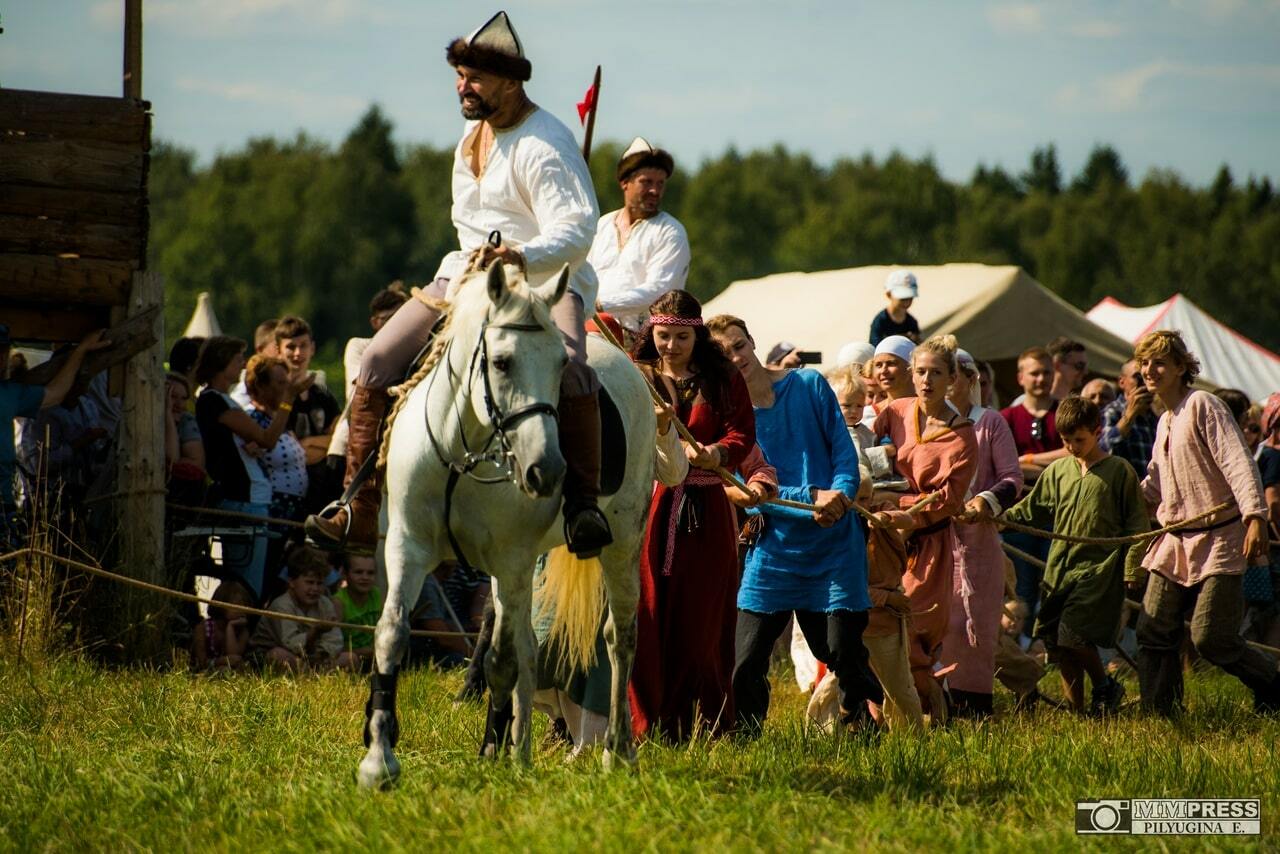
683	674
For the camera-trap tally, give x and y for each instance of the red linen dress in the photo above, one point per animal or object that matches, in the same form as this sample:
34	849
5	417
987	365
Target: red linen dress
689	580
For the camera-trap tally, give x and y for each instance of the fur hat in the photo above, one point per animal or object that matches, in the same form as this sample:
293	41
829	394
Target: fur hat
641	155
494	47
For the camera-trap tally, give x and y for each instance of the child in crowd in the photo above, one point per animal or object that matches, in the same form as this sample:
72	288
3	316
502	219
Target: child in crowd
1087	494
1017	670
851	393
221	640
901	289
358	601
290	646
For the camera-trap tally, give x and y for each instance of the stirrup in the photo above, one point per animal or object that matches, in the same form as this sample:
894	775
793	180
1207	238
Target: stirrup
319	537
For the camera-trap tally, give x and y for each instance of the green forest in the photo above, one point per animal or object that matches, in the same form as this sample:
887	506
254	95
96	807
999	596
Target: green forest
303	227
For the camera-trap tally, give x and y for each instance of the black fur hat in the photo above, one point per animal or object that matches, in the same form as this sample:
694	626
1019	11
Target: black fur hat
494	47
641	155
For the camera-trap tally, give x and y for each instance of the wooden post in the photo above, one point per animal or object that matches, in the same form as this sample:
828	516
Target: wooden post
133	49
141	476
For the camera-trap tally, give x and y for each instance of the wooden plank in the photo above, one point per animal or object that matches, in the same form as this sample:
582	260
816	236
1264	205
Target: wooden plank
46	323
74	117
140	474
71	281
73	206
133	334
44	236
72	165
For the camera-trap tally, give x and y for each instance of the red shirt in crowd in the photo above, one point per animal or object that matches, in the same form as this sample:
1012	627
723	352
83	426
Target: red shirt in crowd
1033	434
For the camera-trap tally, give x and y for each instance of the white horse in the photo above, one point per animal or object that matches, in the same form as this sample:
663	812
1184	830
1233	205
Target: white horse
473	474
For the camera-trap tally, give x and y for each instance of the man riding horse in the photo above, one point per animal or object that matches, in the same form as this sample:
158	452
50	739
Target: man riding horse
516	171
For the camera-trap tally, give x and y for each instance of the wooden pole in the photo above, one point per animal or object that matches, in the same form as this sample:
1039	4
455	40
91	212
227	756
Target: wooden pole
133	49
591	118
140	474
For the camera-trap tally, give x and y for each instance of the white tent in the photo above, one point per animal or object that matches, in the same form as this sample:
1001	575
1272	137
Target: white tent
995	312
1228	357
203	322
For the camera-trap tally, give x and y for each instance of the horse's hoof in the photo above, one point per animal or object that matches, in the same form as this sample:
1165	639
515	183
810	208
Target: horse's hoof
377	774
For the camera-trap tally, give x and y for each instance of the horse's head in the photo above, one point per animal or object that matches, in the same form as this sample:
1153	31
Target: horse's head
516	384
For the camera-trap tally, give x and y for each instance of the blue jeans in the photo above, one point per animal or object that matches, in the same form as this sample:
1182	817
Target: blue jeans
246	555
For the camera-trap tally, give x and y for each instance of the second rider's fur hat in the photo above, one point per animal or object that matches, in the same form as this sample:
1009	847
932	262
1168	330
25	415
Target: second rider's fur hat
641	155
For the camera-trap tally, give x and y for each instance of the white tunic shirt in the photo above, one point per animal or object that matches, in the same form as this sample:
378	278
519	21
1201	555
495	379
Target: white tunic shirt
536	191
654	260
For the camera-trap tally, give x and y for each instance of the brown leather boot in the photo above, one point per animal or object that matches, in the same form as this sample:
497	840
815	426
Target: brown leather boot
586	530
354	527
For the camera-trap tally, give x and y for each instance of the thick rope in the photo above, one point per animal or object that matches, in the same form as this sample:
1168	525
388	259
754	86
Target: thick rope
401	392
190	597
234	514
1114	541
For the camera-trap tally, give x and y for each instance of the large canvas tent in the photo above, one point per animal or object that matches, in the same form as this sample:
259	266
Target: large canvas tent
995	312
203	322
1226	356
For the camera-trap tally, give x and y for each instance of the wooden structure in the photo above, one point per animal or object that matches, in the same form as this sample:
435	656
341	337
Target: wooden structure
73	244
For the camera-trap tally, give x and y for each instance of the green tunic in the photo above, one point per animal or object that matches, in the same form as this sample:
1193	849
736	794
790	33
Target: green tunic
1083	585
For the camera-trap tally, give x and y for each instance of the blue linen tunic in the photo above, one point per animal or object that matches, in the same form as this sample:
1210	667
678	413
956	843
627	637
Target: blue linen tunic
797	564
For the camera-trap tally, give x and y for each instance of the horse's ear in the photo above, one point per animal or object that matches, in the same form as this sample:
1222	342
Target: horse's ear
498	292
553	292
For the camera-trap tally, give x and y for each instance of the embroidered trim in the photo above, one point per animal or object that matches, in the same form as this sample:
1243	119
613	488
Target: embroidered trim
672	320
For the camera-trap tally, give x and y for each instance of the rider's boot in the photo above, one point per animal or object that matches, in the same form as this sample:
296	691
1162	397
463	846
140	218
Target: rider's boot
354	527
586	530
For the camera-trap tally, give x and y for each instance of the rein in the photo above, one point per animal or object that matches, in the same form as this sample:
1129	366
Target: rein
496	449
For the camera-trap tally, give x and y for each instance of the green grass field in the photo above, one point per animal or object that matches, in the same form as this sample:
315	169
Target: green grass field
125	760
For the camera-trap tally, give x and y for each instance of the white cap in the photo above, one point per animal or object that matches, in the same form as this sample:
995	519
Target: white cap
855	353
902	284
896	345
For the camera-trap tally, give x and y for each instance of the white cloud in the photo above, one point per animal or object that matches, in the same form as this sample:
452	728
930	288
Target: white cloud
1128	90
1096	29
1015	18
303	104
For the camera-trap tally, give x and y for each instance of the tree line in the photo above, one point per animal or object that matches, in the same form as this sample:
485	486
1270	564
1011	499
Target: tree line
302	227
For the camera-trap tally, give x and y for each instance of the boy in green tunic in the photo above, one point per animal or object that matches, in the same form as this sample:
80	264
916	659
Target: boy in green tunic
1088	494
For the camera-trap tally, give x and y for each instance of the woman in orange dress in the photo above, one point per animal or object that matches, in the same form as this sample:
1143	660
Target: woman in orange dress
936	453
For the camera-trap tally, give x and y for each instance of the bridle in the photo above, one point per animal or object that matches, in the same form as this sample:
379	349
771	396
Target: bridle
496	449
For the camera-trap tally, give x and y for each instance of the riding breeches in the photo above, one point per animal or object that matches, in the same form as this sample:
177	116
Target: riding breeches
392	350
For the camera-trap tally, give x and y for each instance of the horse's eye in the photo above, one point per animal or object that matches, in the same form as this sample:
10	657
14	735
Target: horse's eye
502	363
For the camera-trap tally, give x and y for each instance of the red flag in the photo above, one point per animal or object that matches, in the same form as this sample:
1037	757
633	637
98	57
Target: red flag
587	104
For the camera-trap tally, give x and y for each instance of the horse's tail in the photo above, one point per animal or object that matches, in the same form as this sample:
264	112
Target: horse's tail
570	592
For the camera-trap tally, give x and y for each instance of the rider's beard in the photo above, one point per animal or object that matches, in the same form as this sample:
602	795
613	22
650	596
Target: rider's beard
476	109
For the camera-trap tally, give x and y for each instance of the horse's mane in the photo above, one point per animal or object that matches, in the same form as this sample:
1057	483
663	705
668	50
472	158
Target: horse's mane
470	303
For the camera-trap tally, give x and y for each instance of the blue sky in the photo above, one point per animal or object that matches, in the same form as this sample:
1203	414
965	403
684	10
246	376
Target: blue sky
1186	85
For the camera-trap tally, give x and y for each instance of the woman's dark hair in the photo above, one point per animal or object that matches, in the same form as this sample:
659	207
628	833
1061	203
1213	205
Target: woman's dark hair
184	354
231	591
1236	400
708	360
216	354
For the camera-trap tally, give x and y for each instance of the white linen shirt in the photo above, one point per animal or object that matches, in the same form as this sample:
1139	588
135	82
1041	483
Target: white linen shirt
536	191
654	260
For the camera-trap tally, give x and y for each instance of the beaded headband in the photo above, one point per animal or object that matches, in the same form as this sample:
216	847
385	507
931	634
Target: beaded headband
672	320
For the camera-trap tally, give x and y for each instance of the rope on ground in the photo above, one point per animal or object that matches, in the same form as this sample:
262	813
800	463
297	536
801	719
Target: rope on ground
191	597
1113	541
234	514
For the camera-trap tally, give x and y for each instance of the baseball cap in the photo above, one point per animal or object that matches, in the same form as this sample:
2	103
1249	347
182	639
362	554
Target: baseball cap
779	352
902	284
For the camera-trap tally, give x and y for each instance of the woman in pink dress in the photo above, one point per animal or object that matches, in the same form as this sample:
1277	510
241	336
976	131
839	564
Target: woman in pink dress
936	453
977	590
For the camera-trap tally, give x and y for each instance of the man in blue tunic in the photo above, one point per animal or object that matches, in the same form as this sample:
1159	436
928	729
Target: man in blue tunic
812	565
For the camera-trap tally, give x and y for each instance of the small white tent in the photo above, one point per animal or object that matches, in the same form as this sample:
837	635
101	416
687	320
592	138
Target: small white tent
203	322
1225	355
995	312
